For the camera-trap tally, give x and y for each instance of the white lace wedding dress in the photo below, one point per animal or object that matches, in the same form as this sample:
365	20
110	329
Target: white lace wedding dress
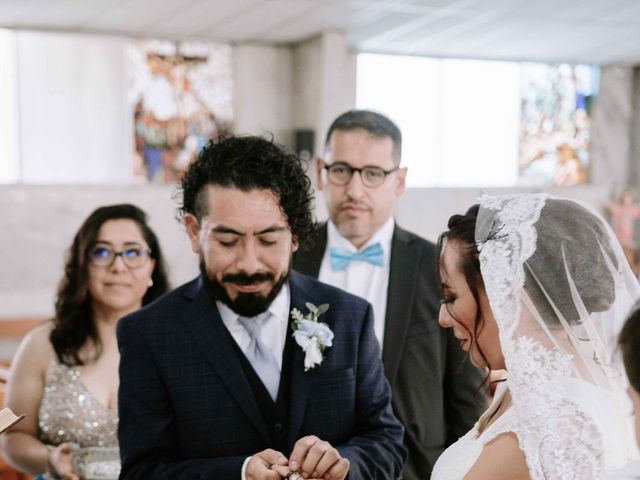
559	288
587	402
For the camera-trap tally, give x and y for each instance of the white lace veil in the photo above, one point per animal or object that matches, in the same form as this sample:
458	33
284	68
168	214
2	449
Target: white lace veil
560	289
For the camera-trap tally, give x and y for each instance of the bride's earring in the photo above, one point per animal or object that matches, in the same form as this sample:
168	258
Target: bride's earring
150	283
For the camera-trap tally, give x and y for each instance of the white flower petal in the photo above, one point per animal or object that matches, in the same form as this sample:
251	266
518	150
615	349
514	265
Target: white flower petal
311	335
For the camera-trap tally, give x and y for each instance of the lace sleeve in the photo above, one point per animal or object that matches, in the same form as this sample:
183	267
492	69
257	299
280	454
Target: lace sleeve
567	446
572	448
556	430
558	317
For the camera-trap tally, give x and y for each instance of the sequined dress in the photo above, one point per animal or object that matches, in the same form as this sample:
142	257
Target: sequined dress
70	413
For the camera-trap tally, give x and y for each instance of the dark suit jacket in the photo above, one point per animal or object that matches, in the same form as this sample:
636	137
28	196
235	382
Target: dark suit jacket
188	411
434	388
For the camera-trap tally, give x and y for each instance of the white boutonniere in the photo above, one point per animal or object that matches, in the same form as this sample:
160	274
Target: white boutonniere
312	335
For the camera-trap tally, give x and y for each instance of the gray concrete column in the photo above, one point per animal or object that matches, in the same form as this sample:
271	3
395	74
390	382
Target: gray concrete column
611	123
324	82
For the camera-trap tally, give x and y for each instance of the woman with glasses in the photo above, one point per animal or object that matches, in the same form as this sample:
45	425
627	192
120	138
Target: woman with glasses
65	373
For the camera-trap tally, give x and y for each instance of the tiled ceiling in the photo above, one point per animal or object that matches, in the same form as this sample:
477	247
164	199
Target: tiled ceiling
593	31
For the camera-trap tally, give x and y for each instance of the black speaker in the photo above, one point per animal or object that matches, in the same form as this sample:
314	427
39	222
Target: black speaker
304	144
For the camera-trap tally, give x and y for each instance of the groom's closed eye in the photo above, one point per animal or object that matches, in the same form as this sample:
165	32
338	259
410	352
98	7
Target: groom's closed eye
269	239
227	240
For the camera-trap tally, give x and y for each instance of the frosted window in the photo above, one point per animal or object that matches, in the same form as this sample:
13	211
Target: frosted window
466	123
9	154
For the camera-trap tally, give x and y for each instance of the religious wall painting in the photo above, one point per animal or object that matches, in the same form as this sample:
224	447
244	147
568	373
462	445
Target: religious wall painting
181	96
555	114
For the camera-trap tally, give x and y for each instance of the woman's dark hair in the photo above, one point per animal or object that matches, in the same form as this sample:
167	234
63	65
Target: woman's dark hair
462	229
629	343
74	323
250	163
571	236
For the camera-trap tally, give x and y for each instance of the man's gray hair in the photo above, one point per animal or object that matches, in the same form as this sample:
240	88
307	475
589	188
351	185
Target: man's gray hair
375	123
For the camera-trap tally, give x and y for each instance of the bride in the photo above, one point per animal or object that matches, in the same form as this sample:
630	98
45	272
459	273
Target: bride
539	286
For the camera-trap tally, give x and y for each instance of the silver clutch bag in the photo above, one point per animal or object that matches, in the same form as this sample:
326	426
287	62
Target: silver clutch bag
97	463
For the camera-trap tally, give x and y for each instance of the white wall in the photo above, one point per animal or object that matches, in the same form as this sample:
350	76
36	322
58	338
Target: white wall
324	83
37	222
263	81
9	140
88	139
426	211
611	127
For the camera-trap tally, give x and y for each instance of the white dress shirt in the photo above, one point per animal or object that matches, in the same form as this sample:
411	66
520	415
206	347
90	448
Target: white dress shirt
273	333
362	278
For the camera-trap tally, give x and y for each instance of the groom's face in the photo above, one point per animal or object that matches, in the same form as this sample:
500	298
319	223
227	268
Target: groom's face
245	246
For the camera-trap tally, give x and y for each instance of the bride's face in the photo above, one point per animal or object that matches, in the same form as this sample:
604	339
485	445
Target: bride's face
472	322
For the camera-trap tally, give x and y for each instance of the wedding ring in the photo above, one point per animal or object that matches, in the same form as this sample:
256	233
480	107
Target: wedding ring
293	476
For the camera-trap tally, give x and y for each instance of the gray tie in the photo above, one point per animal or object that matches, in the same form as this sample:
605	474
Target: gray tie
259	355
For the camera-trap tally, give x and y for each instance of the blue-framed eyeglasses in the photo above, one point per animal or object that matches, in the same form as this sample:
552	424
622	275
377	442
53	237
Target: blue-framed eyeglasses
133	257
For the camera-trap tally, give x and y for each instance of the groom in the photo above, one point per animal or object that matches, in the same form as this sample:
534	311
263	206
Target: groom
218	379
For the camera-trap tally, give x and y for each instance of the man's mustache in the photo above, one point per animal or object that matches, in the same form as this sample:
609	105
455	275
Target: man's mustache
353	204
244	279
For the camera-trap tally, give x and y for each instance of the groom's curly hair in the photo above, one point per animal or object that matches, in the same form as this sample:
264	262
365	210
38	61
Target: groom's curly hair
250	163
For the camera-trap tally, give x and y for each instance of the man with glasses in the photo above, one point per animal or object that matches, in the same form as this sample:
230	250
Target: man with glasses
362	250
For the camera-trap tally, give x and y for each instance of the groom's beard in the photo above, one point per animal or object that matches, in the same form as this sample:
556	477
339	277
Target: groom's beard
245	304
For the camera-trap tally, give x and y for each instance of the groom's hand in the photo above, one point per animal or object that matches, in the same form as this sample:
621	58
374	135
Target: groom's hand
315	458
259	466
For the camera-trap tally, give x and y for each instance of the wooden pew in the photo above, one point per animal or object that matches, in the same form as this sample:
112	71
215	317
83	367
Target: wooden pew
12	330
18	327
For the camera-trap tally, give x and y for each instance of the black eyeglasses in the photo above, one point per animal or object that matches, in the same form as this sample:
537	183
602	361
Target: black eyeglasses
340	174
133	257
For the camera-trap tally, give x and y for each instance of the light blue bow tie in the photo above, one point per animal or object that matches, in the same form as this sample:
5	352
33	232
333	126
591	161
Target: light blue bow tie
341	259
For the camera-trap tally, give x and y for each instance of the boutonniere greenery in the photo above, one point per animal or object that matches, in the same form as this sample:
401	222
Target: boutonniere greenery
312	335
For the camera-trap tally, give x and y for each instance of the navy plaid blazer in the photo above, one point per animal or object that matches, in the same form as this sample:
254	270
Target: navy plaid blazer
187	410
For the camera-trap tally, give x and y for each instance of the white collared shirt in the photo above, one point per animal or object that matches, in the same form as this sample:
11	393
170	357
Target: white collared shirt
274	331
361	278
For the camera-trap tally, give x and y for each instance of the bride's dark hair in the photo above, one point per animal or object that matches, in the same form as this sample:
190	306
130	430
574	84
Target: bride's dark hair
574	237
573	247
571	238
462	229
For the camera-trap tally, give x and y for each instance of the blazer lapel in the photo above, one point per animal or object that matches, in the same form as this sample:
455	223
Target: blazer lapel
212	337
300	380
402	281
400	293
310	261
